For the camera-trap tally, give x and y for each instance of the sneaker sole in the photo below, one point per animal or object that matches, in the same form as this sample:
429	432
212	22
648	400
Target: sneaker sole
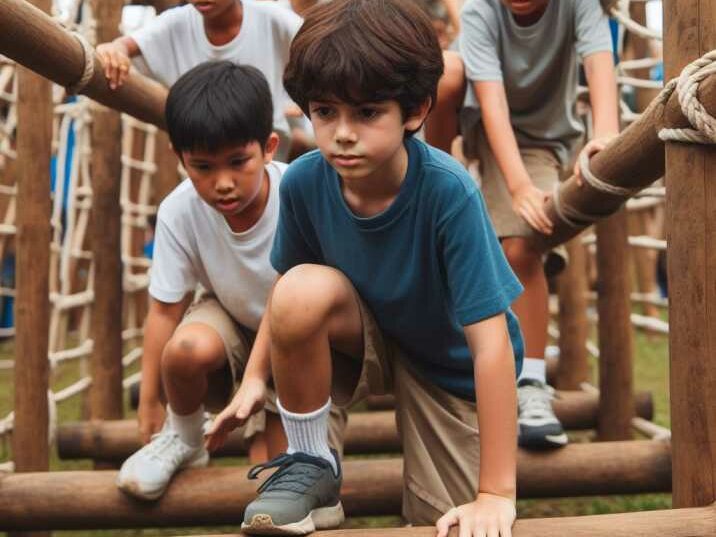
133	488
323	518
543	441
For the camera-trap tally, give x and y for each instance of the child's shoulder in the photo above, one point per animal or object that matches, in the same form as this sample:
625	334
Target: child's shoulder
179	202
303	171
444	176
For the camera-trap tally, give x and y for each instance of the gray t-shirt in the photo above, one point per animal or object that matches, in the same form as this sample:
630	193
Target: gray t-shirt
537	64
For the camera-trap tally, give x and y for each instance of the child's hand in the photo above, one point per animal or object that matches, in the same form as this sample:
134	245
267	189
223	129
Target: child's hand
151	416
588	151
115	61
489	515
528	202
249	399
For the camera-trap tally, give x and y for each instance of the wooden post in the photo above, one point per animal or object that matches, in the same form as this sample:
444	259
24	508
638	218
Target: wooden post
34	142
690	31
573	368
167	176
106	391
616	403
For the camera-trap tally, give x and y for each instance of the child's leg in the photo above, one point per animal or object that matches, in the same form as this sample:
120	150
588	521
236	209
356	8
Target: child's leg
313	310
441	126
531	307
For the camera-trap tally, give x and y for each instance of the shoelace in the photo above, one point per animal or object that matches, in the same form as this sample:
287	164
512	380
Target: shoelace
296	472
164	444
537	400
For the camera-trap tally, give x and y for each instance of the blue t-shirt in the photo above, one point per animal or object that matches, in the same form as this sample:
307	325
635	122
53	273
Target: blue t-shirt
426	266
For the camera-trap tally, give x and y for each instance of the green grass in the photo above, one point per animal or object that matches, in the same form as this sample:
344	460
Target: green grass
650	372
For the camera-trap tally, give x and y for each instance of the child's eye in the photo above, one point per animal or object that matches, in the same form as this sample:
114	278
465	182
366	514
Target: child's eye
201	166
238	162
367	113
322	112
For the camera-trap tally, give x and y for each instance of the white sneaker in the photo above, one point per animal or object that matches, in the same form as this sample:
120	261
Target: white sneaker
539	427
146	474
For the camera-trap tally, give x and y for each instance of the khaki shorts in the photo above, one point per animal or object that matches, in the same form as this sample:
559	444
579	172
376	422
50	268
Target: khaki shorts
544	169
438	431
238	341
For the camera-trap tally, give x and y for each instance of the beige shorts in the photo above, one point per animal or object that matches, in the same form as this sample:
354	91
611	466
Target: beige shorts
438	431
545	170
238	341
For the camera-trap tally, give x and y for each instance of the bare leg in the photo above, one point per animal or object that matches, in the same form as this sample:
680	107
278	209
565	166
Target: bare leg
531	307
313	308
441	126
194	351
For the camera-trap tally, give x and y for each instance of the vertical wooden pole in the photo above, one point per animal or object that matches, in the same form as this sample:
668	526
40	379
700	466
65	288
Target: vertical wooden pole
616	402
106	391
167	176
34	145
573	368
690	31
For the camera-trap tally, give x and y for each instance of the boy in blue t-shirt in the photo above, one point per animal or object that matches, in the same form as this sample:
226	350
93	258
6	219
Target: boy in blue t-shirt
392	280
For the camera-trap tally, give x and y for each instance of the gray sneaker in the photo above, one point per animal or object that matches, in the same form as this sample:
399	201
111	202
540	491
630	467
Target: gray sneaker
539	427
301	496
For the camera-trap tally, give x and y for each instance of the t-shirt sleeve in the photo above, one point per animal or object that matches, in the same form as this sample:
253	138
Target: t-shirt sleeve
154	42
478	44
172	275
290	245
480	281
591	28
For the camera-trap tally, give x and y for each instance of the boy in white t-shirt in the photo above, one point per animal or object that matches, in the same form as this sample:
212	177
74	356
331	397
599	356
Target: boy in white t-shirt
215	230
241	31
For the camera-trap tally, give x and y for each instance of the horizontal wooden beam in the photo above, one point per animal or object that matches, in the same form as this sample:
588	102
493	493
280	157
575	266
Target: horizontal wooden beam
367	432
218	495
693	522
35	40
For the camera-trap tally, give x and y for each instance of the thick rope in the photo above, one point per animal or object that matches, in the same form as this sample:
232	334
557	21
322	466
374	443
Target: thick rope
88	72
703	124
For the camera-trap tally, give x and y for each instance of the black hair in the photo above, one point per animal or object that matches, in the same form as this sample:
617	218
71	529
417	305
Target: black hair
216	104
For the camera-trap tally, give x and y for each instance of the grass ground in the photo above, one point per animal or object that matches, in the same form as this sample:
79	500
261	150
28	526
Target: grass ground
651	373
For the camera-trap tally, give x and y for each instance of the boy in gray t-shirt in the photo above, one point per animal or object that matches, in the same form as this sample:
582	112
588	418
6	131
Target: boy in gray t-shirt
521	60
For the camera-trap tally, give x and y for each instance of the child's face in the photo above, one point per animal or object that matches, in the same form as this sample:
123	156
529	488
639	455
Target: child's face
525	7
230	178
359	141
209	8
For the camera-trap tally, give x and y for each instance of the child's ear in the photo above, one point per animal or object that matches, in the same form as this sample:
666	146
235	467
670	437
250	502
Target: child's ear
271	147
416	119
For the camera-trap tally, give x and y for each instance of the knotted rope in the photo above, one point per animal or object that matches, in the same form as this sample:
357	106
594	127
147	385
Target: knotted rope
88	71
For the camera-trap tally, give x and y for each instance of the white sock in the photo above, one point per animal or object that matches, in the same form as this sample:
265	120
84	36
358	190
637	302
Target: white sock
534	368
190	427
308	433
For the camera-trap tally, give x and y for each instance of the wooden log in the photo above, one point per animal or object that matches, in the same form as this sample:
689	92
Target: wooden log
32	306
367	432
211	496
35	40
167	177
690	31
573	367
616	408
106	392
694	522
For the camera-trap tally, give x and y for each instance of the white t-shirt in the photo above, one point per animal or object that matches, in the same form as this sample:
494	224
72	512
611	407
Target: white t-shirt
194	245
175	42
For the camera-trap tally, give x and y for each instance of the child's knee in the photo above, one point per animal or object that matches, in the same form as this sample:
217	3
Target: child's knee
302	300
452	83
523	258
193	351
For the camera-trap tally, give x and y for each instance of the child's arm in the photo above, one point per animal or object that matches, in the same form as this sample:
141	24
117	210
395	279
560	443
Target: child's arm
493	510
115	57
527	200
162	320
251	395
602	83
